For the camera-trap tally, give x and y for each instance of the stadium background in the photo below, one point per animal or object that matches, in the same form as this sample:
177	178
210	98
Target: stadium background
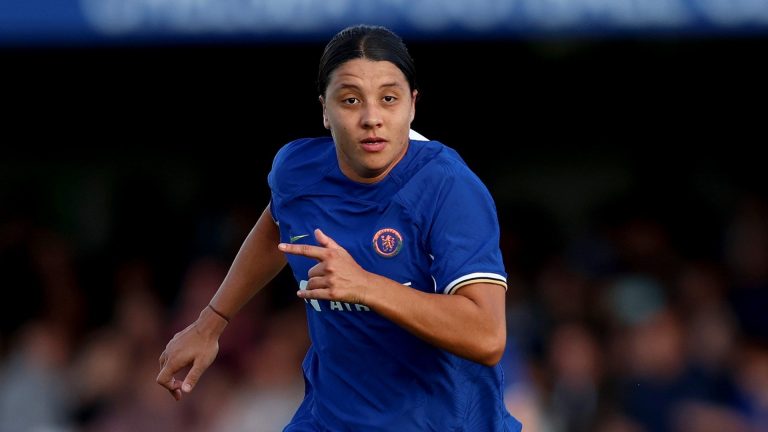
623	155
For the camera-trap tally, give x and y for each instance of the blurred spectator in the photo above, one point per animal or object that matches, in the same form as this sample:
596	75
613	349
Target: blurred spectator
271	386
34	391
746	253
654	380
751	371
575	373
100	372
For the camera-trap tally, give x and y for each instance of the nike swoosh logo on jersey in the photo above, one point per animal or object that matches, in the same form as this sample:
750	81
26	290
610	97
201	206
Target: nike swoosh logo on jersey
298	237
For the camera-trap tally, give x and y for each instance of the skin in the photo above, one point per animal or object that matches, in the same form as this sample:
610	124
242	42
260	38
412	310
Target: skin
368	100
470	323
368	107
257	262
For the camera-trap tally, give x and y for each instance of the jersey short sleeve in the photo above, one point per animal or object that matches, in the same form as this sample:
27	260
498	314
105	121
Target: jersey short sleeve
463	238
459	224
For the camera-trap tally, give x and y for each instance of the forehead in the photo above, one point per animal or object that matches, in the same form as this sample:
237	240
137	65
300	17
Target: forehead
364	72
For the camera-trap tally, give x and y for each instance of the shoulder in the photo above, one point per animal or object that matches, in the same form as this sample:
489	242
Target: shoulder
302	151
438	171
299	162
439	164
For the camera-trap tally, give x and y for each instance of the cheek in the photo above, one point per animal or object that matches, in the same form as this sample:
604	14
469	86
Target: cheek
339	123
332	120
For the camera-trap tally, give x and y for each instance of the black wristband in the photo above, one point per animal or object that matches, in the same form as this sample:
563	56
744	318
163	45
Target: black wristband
218	313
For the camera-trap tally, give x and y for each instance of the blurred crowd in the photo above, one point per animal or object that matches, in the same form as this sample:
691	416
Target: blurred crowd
617	329
623	332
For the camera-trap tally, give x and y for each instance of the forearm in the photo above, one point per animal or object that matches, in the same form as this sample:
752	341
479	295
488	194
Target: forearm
470	325
257	262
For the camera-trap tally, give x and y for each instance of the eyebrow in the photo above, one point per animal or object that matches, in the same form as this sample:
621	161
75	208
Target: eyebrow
355	86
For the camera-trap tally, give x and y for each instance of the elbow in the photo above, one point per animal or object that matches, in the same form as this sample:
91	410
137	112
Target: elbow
491	352
492	357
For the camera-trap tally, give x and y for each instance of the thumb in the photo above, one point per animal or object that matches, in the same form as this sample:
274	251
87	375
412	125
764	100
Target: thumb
325	241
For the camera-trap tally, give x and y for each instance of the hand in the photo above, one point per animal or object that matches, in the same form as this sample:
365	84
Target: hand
196	346
336	276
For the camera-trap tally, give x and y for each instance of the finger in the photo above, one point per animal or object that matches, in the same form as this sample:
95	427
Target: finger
316	271
308	251
165	377
192	377
314	294
175	389
163	358
176	394
171	384
316	283
324	240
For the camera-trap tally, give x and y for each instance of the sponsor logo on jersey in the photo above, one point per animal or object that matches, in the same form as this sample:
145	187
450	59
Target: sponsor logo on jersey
387	242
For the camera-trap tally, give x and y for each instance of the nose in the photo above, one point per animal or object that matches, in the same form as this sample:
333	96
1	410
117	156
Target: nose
371	116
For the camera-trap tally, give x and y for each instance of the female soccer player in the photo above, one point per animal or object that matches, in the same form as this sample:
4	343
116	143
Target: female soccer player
394	243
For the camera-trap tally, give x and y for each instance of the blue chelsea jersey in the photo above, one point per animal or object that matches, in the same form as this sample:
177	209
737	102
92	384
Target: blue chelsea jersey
430	224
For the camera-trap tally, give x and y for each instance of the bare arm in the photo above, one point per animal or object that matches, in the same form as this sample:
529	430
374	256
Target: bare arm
257	262
470	323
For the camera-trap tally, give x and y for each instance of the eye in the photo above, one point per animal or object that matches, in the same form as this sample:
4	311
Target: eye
389	99
350	101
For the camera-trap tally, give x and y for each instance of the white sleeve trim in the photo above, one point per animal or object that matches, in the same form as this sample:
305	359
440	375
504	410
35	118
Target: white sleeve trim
475	278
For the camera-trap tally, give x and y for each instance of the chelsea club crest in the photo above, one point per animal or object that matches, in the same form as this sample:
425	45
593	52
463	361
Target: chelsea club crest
387	242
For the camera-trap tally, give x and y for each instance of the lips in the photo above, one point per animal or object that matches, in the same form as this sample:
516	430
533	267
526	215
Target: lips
373	144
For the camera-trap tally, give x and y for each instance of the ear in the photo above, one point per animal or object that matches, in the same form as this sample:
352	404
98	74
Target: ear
414	96
326	123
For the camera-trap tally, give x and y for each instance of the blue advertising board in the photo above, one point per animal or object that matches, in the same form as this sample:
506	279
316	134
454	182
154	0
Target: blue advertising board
115	21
